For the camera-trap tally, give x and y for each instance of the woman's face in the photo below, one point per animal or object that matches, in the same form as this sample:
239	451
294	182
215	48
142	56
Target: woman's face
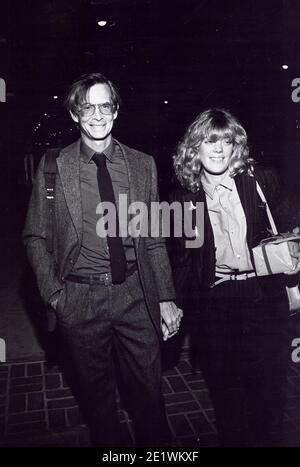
215	152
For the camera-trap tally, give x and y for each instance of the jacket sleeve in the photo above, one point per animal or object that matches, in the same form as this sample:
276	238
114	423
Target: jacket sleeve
156	248
34	237
181	256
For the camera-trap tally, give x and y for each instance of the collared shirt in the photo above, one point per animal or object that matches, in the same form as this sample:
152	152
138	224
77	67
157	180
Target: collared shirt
229	225
94	255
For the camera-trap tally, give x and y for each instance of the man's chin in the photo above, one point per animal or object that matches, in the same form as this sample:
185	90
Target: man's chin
97	137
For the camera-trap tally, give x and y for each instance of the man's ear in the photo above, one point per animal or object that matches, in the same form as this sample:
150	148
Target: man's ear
115	114
74	117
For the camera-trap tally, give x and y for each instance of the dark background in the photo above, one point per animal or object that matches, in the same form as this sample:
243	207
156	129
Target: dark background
194	54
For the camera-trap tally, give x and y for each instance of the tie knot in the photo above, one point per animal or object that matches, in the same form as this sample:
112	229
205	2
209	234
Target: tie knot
99	159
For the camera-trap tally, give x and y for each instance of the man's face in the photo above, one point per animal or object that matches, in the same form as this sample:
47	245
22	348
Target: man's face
98	126
215	153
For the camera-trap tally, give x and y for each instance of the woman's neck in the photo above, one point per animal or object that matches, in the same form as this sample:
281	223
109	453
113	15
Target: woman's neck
214	179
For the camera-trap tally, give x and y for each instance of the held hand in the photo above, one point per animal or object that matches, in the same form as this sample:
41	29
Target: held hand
170	319
296	269
295	254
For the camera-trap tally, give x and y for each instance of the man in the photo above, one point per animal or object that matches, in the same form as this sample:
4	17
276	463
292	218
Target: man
112	295
243	319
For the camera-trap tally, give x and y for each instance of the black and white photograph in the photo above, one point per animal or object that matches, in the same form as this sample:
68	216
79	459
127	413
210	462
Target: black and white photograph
150	226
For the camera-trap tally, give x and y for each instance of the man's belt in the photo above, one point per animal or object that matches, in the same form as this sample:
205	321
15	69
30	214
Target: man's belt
97	279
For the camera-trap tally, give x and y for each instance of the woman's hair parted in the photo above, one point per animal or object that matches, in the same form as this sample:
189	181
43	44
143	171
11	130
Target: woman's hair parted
210	124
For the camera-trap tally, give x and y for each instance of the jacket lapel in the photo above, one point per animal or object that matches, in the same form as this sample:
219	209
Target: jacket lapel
68	164
206	256
134	176
247	192
133	173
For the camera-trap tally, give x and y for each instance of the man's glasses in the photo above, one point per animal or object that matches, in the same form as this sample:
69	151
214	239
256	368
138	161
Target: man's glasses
87	110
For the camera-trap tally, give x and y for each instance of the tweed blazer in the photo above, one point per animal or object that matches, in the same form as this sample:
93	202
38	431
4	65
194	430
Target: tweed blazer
51	269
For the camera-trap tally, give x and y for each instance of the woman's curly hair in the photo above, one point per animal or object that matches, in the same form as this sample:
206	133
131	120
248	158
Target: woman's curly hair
216	123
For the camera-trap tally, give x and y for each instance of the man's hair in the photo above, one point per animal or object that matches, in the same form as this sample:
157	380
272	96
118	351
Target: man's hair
78	91
212	124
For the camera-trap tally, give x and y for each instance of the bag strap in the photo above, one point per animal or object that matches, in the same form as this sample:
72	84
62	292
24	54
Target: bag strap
50	174
270	217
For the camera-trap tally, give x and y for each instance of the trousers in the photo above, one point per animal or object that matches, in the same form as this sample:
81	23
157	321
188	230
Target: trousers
243	349
108	337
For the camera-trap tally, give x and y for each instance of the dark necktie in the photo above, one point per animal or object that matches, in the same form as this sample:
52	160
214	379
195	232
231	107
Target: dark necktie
115	245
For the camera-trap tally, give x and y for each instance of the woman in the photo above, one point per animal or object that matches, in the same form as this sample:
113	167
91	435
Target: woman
242	335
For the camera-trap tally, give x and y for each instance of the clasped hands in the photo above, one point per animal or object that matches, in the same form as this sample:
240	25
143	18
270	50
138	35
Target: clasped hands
170	316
